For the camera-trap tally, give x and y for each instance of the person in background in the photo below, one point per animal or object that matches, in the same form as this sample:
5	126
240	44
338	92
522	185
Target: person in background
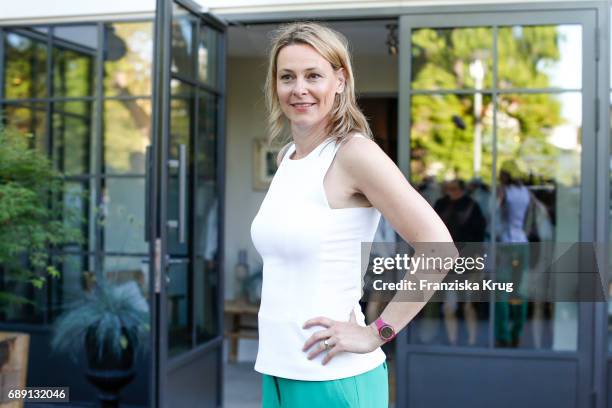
466	224
513	201
480	193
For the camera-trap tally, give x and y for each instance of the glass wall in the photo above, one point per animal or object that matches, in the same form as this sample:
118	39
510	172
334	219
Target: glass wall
496	118
48	89
84	93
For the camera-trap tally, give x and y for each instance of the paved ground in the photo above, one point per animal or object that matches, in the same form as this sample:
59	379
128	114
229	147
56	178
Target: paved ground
242	386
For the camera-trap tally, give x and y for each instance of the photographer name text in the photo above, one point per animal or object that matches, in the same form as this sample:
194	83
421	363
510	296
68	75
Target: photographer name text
425	285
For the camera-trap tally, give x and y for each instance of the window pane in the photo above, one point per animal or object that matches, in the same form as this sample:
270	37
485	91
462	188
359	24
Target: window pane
207	138
128	59
183	32
124	215
74	57
207	55
78	212
206	208
540	56
72	73
31	306
182	127
127	128
123	269
81	36
206	280
179	332
539	150
451	137
451	162
29	120
25	67
452	58
72	130
76	277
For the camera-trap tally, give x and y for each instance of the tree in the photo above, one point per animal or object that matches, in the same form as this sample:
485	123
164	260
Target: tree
33	220
441	60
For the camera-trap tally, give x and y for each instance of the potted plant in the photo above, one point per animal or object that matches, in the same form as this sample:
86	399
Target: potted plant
32	223
111	324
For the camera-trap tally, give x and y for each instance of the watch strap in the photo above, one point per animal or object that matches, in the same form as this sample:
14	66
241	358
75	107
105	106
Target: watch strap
383	327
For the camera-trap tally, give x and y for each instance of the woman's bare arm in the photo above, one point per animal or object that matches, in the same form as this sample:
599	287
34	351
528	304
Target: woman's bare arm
374	175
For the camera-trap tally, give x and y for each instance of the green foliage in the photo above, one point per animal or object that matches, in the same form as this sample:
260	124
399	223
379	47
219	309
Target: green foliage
32	218
26	67
441	59
112	310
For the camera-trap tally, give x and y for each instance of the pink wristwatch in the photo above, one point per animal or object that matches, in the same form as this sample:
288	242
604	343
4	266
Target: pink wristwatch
385	330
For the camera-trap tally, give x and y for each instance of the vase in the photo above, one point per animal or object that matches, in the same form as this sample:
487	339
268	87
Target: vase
108	372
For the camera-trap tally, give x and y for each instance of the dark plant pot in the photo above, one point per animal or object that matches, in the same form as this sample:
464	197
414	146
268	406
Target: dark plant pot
107	372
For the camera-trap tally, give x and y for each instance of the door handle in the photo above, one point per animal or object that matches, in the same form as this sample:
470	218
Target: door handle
182	191
181	164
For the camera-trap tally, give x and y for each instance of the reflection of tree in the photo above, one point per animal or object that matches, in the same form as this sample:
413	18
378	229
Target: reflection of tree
441	60
26	67
128	63
139	115
126	134
71	130
72	73
535	115
127	74
182	45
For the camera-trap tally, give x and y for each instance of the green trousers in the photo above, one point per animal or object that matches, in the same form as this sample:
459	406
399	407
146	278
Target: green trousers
367	390
511	310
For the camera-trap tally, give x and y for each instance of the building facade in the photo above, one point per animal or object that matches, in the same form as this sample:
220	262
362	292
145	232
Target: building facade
152	112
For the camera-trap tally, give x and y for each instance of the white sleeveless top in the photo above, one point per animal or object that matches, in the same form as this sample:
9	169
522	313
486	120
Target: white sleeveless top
312	267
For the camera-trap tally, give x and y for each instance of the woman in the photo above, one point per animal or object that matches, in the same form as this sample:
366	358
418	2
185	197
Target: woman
513	200
333	181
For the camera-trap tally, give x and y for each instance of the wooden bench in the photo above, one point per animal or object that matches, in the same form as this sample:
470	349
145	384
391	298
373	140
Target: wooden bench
14	348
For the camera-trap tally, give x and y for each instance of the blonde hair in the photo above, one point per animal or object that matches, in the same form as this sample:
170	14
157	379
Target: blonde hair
345	115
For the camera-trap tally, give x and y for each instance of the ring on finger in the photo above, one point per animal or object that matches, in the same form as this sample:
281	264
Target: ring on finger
326	344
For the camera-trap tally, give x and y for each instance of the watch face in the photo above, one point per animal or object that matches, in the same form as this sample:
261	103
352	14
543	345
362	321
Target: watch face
386	332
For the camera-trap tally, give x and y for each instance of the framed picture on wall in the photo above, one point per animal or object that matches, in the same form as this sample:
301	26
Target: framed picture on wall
264	164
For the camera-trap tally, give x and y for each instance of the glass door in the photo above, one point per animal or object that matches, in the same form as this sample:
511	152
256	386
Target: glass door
488	102
186	206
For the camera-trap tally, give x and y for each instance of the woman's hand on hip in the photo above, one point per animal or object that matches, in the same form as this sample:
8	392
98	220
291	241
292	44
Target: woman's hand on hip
340	336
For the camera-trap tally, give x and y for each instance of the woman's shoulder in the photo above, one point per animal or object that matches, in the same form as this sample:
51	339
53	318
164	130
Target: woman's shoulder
360	156
357	149
355	145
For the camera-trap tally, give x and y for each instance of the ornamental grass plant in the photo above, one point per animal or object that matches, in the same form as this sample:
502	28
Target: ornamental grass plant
109	318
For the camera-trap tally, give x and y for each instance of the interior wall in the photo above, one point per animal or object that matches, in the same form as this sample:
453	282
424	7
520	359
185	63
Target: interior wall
246	117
